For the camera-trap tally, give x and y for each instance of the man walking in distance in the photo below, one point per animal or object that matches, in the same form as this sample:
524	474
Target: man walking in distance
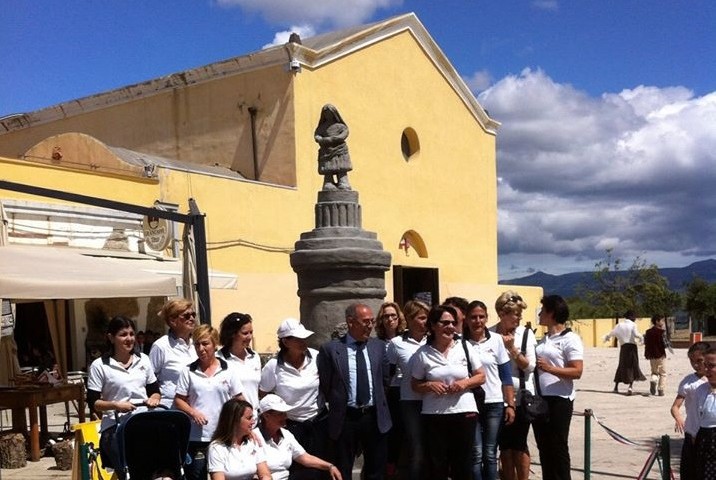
353	373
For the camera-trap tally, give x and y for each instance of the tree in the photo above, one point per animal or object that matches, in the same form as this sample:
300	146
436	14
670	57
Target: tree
701	300
640	288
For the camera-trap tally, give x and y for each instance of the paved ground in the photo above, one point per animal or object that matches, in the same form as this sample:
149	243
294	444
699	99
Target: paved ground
640	418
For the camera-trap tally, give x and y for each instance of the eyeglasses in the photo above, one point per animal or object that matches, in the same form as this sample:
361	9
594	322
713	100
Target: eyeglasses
368	322
445	323
515	298
187	315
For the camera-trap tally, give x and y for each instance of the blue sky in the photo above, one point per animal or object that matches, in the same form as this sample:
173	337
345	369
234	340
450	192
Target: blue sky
608	107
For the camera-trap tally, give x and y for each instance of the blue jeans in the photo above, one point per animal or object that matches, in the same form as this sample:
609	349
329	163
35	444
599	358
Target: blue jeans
197	469
484	453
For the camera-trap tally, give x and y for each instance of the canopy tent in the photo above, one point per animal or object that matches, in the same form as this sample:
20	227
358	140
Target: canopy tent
56	274
48	273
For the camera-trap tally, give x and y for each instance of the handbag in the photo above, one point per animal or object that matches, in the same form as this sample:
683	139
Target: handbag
531	408
478	391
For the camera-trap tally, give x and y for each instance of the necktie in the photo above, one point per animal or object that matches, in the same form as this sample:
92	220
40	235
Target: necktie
362	382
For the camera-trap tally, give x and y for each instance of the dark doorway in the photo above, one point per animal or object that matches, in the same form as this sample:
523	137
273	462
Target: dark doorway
32	335
415	283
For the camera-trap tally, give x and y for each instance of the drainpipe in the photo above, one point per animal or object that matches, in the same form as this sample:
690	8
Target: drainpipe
252	114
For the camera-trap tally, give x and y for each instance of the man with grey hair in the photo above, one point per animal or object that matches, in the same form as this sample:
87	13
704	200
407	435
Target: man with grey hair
353	373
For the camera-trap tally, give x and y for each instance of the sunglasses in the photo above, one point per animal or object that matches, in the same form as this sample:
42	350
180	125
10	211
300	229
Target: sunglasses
445	323
187	315
515	298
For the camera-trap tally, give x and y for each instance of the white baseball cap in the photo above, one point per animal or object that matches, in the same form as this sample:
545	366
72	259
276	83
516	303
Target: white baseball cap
293	328
273	402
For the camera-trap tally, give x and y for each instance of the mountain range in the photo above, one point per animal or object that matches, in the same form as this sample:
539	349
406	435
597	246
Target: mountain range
568	283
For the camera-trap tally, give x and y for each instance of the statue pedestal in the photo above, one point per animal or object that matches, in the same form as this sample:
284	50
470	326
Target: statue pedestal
337	264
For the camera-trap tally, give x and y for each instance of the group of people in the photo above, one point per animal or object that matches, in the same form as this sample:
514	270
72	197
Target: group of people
433	394
656	343
697	394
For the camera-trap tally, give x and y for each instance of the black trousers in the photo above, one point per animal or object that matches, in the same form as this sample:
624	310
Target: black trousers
311	434
449	440
553	439
360	433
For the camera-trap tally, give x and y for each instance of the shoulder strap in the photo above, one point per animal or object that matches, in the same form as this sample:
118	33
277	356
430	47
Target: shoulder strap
467	357
523	350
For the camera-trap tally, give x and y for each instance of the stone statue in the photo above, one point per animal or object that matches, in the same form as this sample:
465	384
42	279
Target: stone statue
333	156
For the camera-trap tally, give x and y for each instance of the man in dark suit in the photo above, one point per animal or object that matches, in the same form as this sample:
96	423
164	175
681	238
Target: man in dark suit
353	373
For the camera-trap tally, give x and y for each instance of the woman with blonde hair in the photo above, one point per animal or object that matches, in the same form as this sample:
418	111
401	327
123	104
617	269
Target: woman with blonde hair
520	344
174	351
203	388
400	351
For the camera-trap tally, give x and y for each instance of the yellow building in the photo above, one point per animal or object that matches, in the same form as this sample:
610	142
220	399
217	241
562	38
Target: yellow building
237	136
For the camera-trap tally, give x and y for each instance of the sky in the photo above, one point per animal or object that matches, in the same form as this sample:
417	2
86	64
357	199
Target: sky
608	107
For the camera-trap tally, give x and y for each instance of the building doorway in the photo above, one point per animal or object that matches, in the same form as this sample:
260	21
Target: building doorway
415	283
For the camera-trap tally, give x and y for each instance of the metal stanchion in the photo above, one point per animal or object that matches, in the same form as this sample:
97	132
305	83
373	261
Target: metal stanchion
665	458
587	444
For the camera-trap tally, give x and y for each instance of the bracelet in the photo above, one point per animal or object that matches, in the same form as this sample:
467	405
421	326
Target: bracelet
510	406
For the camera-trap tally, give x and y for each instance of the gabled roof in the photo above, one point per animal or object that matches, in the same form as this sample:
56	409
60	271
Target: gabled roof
312	52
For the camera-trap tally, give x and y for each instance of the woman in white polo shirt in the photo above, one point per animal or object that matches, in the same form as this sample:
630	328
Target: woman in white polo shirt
118	382
560	358
280	446
236	334
171	353
400	351
234	453
293	375
440	373
203	388
498	405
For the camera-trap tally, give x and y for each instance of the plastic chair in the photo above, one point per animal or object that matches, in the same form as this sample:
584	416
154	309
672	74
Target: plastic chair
86	461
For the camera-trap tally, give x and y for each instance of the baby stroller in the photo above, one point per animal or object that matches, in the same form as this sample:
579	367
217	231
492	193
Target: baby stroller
153	444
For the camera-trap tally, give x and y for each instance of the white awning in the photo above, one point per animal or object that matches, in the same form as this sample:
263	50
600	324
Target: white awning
33	272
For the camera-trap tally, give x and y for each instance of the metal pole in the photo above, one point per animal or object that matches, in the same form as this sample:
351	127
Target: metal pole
665	458
587	444
202	265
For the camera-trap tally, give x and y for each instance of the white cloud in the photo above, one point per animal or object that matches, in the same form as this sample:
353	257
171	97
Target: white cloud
304	31
549	5
632	170
479	81
339	13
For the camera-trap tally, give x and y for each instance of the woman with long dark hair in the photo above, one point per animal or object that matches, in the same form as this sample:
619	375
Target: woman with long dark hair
441	374
236	334
118	382
233	453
